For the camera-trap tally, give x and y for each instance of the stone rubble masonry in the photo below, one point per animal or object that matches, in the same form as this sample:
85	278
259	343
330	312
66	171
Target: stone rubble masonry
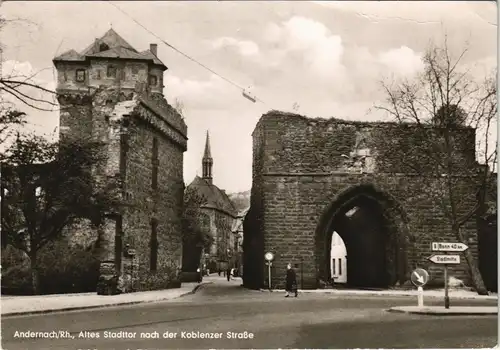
128	122
301	165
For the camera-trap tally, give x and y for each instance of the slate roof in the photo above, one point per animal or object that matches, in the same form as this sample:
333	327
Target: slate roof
117	48
214	196
118	52
149	55
70	55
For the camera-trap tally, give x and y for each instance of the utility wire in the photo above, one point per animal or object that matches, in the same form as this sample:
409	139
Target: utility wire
183	54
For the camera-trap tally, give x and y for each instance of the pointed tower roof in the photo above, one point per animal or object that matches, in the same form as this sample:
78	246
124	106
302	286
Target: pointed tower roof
111	45
110	38
207	153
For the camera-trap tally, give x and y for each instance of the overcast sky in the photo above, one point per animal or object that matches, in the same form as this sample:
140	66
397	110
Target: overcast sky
326	57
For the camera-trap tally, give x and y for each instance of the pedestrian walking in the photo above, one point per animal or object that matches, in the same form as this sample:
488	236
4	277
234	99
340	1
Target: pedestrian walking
228	274
291	281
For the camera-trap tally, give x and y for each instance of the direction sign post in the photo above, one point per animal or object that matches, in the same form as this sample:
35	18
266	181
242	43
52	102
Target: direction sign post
448	247
446	260
446	297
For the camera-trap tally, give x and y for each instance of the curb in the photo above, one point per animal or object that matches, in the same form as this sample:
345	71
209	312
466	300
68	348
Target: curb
127	303
438	313
384	294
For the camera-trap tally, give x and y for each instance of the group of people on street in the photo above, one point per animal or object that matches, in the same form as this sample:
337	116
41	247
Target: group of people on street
290	283
230	274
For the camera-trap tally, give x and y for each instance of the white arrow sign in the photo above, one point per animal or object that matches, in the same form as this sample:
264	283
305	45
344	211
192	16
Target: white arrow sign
445	259
448	247
419	278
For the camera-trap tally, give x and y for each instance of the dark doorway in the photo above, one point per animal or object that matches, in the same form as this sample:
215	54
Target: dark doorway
363	229
373	229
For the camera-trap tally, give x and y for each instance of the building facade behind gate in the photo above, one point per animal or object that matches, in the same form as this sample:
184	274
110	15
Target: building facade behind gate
312	177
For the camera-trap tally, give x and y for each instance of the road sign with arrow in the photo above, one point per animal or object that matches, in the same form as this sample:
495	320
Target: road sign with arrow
419	277
448	247
445	259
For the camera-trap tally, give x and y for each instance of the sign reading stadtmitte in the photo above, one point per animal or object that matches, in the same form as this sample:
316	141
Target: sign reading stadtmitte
445	259
448	247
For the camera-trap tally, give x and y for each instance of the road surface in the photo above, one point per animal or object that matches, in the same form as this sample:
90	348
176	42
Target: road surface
224	315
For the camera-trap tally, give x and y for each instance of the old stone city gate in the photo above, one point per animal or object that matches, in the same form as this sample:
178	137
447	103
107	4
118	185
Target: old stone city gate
312	177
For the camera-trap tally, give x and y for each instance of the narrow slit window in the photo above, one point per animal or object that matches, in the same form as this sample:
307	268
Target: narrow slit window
154	165
153	246
333	266
340	266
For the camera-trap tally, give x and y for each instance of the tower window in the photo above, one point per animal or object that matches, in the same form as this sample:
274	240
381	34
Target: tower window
98	76
135	70
103	47
80	75
153	80
111	73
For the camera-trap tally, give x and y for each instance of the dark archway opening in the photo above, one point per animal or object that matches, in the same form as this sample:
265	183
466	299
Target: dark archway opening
363	229
374	231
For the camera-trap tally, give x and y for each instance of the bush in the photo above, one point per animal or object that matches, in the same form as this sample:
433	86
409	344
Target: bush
165	278
65	269
16	280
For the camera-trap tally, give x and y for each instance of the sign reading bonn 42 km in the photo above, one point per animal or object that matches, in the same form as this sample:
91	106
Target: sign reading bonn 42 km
448	247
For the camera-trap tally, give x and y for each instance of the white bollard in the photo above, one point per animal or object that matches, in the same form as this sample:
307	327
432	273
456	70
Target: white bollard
420	292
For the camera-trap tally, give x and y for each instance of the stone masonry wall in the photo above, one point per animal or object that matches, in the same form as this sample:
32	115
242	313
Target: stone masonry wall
301	165
164	203
103	114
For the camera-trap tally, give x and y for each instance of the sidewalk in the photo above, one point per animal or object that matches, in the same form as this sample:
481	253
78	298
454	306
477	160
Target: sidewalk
441	311
38	304
435	293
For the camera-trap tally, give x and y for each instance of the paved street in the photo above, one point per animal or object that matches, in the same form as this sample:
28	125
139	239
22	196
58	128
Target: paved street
310	321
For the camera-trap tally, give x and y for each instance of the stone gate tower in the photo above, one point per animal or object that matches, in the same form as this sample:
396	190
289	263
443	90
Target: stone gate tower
112	92
369	182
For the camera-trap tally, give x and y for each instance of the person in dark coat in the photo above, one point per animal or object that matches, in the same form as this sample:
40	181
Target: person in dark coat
291	281
199	275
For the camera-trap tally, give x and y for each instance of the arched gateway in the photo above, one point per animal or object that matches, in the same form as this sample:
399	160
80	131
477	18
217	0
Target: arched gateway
373	227
313	177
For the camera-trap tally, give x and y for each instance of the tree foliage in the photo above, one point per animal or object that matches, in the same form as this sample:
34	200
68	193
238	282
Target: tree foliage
9	119
195	223
443	101
47	187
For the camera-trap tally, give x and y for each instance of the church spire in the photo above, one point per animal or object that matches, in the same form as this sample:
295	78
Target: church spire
207	161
